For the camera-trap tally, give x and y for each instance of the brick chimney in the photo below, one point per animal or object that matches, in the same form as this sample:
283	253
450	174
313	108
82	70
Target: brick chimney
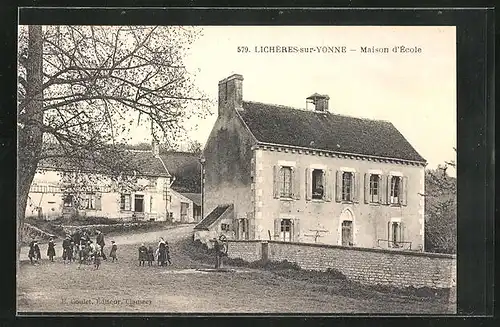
319	101
230	94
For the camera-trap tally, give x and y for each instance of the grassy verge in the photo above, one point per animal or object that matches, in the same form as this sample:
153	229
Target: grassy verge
331	280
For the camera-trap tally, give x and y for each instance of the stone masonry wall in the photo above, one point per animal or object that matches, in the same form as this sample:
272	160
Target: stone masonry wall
247	250
368	266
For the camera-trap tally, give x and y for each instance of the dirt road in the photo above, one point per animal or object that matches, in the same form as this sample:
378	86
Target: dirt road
124	286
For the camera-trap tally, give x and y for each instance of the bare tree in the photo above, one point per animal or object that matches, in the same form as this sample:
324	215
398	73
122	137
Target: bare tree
441	210
82	90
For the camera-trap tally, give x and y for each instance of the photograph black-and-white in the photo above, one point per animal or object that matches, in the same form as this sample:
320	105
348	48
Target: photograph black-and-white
236	169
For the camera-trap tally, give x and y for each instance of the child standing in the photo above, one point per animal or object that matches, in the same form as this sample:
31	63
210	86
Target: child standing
112	253
51	250
151	256
97	256
143	255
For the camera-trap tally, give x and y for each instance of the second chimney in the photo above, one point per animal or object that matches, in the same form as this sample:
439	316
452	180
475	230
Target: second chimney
320	101
230	94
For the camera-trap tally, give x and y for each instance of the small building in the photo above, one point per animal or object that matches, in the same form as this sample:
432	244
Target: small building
310	175
60	189
181	208
196	199
218	222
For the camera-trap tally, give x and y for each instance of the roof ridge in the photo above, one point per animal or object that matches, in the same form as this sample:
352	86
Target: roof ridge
320	112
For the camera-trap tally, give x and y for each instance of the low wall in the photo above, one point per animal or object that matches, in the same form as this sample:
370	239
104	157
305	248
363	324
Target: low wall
368	266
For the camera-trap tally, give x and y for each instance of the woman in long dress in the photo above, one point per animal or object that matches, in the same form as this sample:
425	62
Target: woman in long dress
162	252
51	250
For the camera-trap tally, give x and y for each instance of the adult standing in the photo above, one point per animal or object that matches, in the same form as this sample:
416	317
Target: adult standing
162	252
100	241
67	250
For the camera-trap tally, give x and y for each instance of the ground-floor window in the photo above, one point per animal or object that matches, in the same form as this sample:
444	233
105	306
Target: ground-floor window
286	230
225	227
395	234
125	202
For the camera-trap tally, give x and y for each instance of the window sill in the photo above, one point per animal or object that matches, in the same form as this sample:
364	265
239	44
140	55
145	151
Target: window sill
394	205
376	204
347	202
318	200
286	199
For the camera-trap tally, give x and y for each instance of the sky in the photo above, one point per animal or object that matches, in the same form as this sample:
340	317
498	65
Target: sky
416	91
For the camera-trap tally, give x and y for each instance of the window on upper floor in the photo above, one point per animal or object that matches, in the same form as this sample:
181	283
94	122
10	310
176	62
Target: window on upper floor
373	191
318	185
285	177
395	191
347	186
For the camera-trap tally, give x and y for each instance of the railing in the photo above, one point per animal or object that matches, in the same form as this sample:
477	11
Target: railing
400	245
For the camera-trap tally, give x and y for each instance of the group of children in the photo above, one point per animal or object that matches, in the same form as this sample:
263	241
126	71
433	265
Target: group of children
162	254
85	250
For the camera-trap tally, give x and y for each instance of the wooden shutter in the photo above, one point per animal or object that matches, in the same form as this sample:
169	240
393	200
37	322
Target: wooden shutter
404	191
328	185
389	234
98	205
367	188
296	183
382	189
252	167
402	232
296	230
247	229
388	190
236	229
355	187
338	186
277	228
276	182
308	184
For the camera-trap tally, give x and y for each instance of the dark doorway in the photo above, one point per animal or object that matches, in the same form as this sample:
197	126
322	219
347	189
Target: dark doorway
139	203
346	233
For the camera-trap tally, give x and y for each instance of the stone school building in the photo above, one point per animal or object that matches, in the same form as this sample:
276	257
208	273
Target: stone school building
310	175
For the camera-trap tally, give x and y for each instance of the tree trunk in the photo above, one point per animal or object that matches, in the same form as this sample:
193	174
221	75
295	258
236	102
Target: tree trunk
30	132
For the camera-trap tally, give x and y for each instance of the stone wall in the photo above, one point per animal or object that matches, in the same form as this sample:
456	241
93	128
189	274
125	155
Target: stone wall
365	265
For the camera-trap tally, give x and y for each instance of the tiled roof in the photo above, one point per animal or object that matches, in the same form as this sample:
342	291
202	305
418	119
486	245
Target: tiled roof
186	169
143	162
326	131
195	197
212	217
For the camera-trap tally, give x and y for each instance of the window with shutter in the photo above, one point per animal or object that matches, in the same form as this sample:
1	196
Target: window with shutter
285	230
285	182
395	191
374	188
347	186
318	188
